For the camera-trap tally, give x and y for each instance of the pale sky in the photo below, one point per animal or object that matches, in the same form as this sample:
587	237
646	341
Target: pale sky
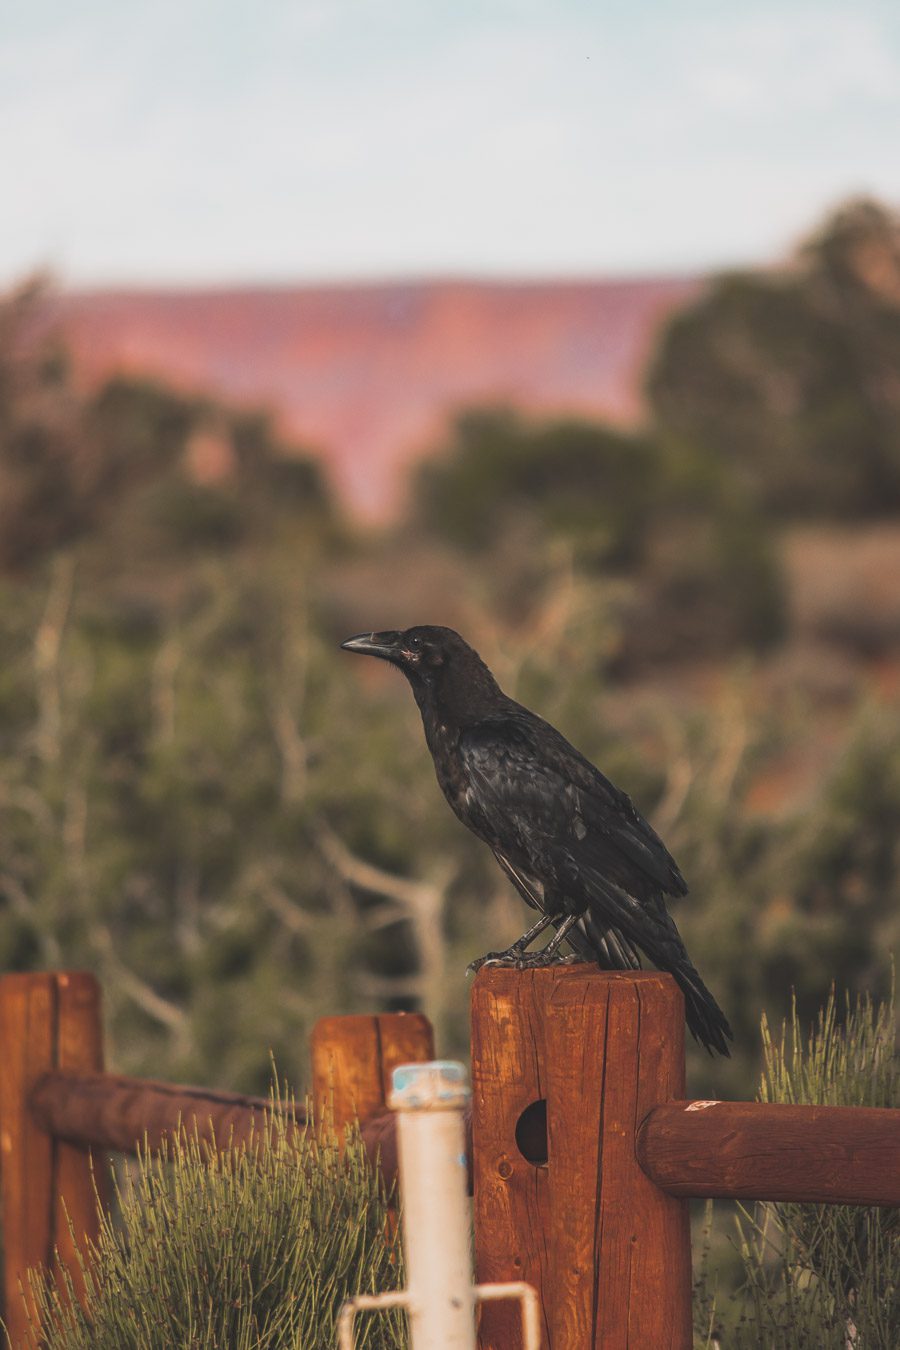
204	141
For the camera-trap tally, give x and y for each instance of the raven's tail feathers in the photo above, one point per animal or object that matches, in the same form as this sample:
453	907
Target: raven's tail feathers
597	941
706	1021
662	942
653	929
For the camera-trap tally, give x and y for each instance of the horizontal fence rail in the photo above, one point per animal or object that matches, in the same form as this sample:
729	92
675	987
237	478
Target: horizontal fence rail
842	1155
114	1113
846	1155
117	1114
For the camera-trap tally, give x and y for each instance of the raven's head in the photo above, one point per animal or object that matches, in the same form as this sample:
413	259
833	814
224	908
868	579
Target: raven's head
415	650
427	655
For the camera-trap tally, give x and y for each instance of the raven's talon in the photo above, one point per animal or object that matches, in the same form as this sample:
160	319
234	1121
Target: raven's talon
507	958
541	961
520	961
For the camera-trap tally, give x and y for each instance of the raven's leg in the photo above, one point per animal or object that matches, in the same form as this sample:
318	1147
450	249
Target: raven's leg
534	931
548	956
514	953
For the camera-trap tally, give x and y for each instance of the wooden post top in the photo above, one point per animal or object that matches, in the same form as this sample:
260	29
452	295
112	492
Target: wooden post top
549	977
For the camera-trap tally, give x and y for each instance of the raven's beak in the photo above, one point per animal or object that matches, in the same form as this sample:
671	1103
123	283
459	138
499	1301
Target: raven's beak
385	645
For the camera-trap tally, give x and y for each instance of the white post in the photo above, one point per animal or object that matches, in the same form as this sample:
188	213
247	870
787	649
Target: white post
439	1298
430	1100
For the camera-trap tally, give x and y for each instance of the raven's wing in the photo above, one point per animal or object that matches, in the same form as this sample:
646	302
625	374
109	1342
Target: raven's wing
542	805
529	792
523	801
530	888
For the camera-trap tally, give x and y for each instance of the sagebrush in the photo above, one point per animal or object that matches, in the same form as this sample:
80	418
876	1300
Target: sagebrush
251	1248
817	1277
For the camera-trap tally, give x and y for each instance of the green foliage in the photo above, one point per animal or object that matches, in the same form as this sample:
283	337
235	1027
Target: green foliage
788	378
205	802
711	584
196	517
187	783
708	578
819	1275
154	468
841	865
576	480
136	430
254	1248
41	449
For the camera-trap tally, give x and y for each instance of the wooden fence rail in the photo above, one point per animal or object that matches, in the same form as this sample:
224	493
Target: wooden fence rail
735	1151
116	1114
583	1149
839	1155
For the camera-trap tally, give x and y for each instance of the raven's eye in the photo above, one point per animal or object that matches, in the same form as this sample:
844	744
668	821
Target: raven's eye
414	644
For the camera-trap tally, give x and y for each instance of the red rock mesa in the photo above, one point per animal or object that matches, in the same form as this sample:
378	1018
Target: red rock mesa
367	375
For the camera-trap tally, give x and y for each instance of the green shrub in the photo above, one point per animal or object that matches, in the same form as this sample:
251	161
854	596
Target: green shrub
251	1249
593	485
820	1277
785	376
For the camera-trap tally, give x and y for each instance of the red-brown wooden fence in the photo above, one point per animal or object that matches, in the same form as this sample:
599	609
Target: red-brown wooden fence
583	1151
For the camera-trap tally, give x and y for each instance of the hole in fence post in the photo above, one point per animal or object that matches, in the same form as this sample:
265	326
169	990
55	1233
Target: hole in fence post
531	1133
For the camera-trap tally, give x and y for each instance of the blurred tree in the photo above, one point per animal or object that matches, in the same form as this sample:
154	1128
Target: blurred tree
843	869
588	483
790	378
41	446
707	578
136	429
134	461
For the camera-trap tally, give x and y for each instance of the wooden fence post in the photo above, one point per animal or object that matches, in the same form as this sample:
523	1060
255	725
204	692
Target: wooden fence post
512	1201
353	1058
47	1021
565	1204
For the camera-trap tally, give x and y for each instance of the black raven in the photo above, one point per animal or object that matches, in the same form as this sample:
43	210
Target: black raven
571	842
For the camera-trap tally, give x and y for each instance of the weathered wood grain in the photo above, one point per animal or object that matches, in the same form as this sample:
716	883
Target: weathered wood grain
353	1058
81	1178
27	1048
607	1251
48	1190
111	1112
845	1155
577	1020
620	1247
512	1208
